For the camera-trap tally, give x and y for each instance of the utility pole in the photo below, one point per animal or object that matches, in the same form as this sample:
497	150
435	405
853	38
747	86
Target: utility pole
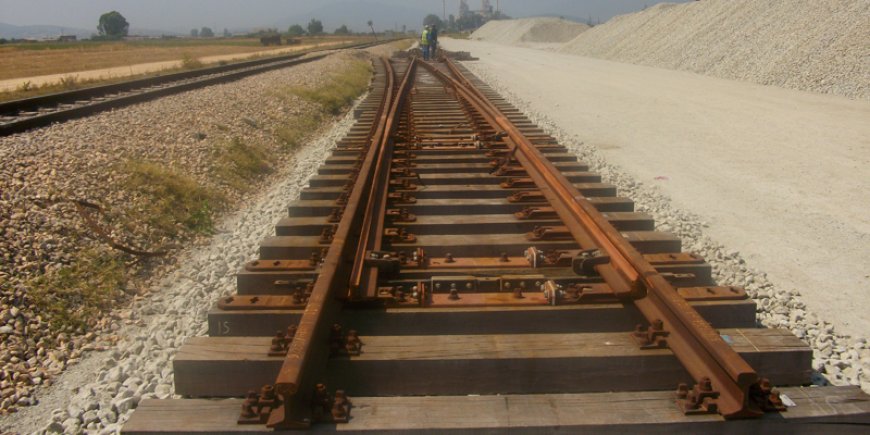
444	14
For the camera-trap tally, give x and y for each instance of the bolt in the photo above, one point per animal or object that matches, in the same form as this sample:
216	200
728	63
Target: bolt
504	258
353	343
277	342
705	384
267	393
339	406
321	398
682	391
449	258
249	404
454	294
639	330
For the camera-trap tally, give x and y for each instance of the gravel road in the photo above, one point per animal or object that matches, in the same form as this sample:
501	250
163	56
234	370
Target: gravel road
754	166
811	45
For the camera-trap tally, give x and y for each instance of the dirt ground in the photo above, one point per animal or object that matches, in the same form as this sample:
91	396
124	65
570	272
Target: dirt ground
49	66
780	175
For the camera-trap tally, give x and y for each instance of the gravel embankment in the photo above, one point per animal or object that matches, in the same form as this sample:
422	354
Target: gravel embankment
100	393
83	160
837	359
811	45
529	31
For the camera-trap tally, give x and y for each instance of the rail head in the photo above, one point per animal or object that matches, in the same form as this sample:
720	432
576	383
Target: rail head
710	361
308	352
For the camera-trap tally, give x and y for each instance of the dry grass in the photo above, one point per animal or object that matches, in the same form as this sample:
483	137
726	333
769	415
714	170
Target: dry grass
30	60
73	297
29	89
190	62
341	90
177	202
240	163
296	130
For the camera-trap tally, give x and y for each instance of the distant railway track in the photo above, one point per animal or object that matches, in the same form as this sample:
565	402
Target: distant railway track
21	115
451	267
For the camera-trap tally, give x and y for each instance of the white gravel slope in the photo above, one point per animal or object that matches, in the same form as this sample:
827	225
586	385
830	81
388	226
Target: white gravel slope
99	393
779	176
815	45
529	31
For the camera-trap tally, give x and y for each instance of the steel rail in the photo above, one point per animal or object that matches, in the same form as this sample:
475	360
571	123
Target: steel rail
693	341
364	279
308	352
141	92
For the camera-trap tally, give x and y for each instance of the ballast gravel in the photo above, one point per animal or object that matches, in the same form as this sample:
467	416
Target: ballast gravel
99	394
84	159
838	359
811	45
533	32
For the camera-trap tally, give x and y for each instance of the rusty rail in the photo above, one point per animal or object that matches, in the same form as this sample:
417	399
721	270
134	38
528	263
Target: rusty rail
450	253
723	377
306	355
363	281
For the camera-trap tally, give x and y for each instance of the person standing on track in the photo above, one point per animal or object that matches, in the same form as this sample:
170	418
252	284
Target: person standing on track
424	42
433	41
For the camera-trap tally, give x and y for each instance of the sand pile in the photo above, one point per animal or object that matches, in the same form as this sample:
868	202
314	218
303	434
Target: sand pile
528	31
813	45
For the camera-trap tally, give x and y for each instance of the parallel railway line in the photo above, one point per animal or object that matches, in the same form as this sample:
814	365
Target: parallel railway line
452	267
21	115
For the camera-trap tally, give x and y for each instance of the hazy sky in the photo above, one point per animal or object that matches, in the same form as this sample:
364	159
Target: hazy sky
184	14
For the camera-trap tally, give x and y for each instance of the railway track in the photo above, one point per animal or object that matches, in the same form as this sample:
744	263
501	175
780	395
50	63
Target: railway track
452	267
22	115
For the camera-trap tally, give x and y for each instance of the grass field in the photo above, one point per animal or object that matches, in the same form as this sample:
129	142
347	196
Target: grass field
36	59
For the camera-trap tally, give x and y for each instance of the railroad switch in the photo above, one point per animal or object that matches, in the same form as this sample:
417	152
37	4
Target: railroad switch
585	261
387	263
